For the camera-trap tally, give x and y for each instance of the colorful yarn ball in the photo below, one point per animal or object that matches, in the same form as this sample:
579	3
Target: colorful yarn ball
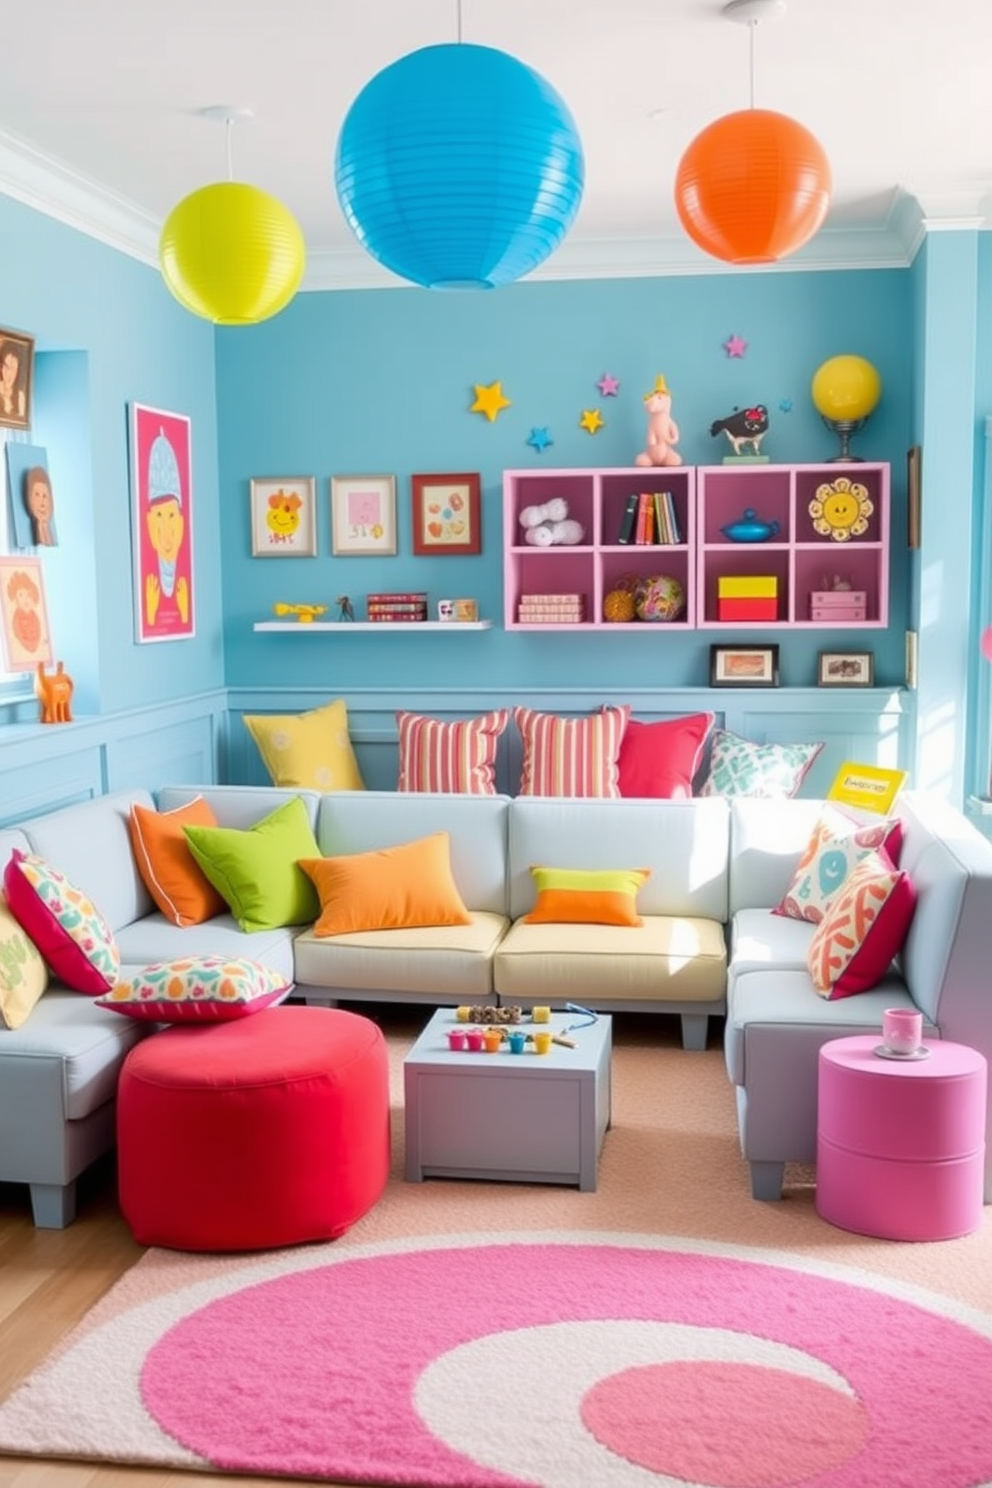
659	598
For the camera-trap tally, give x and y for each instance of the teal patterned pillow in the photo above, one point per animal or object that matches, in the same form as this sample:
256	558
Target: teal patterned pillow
739	768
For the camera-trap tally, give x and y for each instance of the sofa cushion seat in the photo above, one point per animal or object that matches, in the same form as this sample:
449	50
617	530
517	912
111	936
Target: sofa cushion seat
759	939
154	938
61	1065
780	1011
434	961
670	958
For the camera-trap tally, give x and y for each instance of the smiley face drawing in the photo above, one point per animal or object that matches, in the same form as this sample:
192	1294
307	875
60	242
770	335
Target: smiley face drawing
840	509
832	871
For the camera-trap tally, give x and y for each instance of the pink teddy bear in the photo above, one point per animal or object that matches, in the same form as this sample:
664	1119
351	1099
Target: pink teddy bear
663	431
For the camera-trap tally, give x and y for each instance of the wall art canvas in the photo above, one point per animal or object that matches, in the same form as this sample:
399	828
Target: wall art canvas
27	637
162	525
31	496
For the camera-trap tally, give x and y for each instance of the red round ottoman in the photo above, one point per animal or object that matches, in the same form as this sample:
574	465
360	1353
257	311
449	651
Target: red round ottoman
267	1131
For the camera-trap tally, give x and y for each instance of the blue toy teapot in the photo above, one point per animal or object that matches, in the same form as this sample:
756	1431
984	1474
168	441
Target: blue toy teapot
750	528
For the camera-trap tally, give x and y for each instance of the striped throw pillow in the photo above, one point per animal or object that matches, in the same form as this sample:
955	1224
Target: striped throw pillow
571	756
454	757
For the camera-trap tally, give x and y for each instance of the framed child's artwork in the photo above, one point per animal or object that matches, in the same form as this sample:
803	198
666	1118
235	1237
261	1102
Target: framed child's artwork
446	514
16	379
743	666
27	638
363	514
162	525
284	516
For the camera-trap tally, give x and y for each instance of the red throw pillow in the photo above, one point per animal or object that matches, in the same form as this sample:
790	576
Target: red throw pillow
863	928
660	759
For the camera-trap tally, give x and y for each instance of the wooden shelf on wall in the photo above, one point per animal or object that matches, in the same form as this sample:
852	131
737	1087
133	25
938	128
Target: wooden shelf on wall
382	626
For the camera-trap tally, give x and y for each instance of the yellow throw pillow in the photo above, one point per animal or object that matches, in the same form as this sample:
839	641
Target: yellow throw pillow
307	751
394	888
587	896
23	971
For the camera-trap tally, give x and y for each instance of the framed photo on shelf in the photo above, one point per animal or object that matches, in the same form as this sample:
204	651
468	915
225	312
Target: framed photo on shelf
16	379
446	514
744	666
284	516
914	495
363	514
27	639
845	669
162	525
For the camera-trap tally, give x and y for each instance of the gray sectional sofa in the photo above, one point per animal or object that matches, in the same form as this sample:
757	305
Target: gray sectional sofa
709	946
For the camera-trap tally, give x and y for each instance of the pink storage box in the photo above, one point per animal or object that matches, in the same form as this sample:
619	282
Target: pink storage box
838	604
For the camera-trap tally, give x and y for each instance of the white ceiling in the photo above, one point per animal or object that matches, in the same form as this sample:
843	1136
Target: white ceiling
100	104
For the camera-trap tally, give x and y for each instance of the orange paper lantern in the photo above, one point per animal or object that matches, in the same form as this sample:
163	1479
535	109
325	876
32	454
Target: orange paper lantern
753	187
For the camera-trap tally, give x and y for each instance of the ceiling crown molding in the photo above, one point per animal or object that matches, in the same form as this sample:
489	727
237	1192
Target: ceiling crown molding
40	181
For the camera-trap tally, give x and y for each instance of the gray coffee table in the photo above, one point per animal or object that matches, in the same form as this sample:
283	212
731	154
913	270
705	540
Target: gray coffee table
521	1118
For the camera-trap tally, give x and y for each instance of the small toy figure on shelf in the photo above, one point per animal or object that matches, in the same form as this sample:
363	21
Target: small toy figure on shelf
743	426
54	693
346	610
305	614
663	431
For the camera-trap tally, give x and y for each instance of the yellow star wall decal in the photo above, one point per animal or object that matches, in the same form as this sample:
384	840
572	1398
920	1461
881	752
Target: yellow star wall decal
591	420
489	400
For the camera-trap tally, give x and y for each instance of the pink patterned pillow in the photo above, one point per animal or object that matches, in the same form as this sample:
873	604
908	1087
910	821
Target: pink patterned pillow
863	928
68	929
456	757
571	756
837	845
197	989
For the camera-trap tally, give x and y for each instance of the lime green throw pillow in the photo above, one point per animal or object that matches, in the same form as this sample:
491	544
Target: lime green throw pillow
256	870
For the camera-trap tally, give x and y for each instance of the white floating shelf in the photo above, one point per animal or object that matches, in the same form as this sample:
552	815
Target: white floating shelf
377	625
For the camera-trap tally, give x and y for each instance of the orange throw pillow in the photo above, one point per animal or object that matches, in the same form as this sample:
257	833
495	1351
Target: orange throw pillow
394	888
171	874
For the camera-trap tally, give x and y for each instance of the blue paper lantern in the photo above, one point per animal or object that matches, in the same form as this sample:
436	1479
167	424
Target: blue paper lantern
458	167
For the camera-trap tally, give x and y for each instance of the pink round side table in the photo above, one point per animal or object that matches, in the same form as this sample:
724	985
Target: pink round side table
900	1143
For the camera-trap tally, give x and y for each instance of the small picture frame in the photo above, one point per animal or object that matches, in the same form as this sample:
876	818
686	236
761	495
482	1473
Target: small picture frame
283	516
446	514
363	515
914	495
845	669
744	666
16	379
26	635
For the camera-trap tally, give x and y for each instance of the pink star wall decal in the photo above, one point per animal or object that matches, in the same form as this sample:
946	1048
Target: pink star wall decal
608	386
734	346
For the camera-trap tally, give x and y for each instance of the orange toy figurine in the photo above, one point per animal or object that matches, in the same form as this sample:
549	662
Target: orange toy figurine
54	692
663	431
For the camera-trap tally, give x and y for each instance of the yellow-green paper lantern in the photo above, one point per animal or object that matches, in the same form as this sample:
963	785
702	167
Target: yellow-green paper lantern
232	253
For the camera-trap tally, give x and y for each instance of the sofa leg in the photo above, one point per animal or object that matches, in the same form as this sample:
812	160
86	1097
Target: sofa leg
53	1205
767	1179
694	1030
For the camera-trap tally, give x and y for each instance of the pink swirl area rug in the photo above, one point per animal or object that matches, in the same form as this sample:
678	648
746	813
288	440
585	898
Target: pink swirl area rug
575	1360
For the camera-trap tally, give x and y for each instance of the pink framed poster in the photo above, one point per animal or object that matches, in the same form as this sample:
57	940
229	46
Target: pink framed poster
161	525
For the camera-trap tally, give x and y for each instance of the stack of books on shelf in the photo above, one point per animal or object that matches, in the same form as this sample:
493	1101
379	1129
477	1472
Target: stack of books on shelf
551	609
650	517
394	607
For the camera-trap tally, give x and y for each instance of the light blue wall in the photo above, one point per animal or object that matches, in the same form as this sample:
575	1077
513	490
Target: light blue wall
108	333
381	382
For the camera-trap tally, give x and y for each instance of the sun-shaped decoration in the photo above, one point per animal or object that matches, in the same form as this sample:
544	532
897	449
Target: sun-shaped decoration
840	509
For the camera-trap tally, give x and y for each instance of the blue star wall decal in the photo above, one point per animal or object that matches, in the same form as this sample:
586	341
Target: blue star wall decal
539	439
785	405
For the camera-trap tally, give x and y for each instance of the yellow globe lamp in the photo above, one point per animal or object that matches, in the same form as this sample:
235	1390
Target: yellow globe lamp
232	253
846	391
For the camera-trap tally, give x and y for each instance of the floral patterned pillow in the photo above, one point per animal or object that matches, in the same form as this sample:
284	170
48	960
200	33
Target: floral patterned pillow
739	768
198	989
68	929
